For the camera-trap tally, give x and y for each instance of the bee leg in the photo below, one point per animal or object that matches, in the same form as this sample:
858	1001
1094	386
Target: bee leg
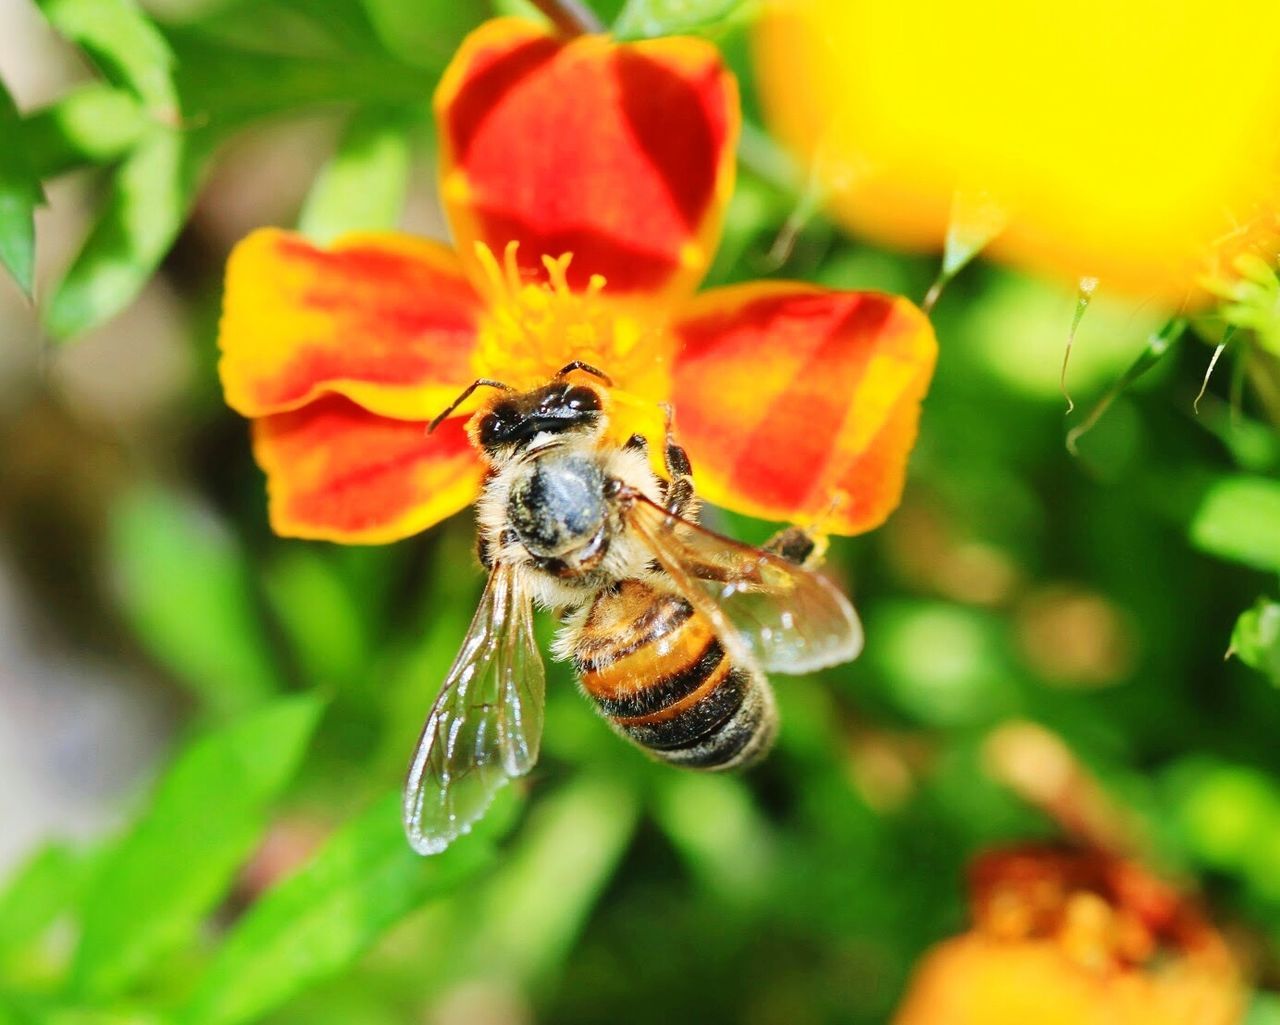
797	545
679	492
677	489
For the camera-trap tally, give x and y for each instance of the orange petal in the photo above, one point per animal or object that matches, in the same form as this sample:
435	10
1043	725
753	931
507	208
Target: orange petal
336	472
386	320
798	403
622	154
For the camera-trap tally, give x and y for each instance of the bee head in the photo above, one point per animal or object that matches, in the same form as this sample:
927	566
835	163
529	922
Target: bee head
560	407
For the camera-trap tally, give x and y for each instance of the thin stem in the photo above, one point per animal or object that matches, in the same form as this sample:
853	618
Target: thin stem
570	17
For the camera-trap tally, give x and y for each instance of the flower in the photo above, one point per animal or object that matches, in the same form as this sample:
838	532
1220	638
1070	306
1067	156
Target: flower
1073	937
585	182
1137	143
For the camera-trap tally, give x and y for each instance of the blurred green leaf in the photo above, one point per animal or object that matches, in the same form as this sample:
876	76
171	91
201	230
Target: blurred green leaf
645	19
48	884
92	124
319	616
316	28
318	921
125	44
185	588
1238	518
146	206
176	862
540	898
20	194
1264	1009
270	83
39	1012
423	32
946	665
1223	811
1256	638
363	187
714	823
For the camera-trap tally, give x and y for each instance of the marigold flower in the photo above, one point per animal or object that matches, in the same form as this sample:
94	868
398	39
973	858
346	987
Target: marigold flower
1137	143
585	182
1075	938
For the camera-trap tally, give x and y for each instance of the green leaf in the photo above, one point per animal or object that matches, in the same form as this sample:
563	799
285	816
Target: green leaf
319	615
312	28
1256	638
176	862
318	921
20	194
363	186
645	19
1238	518
539	900
125	44
713	823
271	83
147	203
43	1012
93	124
186	590
1264	1009
47	884
423	32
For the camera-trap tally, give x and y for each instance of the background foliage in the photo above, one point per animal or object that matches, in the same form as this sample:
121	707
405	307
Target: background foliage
261	874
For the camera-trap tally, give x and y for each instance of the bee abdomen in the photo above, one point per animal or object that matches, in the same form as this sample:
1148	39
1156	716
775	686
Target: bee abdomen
674	691
739	740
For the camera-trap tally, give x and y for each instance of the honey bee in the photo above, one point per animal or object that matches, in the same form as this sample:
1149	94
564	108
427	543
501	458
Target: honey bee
670	627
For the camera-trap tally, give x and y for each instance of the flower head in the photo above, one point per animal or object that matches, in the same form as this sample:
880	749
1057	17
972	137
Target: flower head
1075	936
585	182
1135	143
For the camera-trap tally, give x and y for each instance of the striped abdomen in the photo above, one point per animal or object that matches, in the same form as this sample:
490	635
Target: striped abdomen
657	671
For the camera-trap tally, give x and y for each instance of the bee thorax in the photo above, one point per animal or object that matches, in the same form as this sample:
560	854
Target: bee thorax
558	505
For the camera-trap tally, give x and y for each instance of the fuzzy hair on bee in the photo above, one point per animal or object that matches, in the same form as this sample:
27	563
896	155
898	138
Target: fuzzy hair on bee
555	494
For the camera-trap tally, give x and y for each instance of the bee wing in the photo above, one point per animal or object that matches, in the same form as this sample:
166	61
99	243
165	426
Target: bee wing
780	616
485	726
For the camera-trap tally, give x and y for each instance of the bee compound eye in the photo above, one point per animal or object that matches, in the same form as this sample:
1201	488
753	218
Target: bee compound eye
492	428
582	399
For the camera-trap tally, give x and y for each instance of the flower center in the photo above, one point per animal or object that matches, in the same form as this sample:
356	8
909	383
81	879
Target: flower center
532	330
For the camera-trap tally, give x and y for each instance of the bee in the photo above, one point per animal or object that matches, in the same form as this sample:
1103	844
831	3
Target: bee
671	627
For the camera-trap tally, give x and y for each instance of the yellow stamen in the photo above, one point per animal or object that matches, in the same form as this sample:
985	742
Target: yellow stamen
534	328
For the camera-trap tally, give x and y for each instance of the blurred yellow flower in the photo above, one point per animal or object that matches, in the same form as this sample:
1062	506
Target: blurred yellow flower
1135	142
1074	938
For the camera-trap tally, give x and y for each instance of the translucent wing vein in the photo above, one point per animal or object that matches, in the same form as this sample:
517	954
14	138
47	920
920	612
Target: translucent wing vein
485	726
782	617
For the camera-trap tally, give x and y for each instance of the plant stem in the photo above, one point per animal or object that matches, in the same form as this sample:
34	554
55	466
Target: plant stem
570	17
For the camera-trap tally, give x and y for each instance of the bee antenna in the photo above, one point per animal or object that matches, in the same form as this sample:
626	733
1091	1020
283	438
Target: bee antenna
586	368
479	382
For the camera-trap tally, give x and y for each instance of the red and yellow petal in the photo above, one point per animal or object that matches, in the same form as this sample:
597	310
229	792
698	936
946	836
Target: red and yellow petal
622	154
336	472
387	320
798	403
